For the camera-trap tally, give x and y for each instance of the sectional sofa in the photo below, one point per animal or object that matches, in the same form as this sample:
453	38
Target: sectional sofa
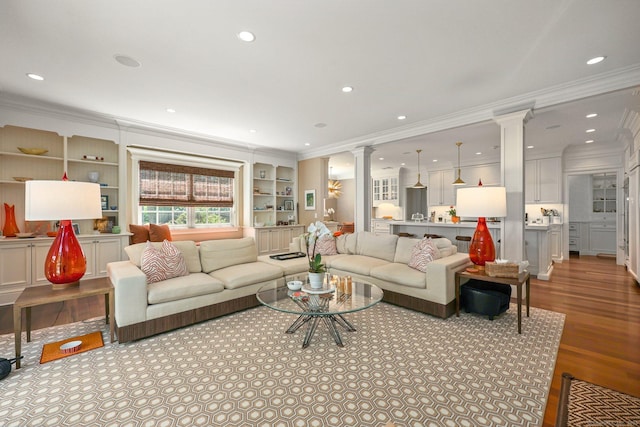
224	276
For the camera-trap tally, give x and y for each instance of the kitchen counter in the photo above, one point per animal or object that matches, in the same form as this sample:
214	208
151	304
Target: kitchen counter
442	224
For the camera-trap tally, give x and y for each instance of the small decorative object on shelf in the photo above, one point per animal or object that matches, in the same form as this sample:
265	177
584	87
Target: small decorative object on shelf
263	174
94	158
33	151
10	228
93	176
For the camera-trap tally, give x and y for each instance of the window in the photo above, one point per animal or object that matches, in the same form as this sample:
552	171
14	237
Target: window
185	196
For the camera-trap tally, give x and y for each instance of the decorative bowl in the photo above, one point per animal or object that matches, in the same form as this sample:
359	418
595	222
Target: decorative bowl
34	151
258	224
294	285
52	233
22	178
70	347
23	235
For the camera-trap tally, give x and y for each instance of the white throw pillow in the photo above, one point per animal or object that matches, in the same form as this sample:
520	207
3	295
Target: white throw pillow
422	254
162	264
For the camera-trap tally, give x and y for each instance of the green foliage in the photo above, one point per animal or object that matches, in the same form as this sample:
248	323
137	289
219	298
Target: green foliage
316	265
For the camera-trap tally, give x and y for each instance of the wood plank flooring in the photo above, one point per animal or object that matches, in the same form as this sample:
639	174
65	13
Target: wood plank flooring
600	343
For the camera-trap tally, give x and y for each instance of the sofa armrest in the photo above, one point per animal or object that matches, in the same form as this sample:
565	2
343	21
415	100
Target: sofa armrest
130	285
441	276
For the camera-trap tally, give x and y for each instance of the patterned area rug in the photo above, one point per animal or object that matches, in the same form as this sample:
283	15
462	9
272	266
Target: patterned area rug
593	405
243	370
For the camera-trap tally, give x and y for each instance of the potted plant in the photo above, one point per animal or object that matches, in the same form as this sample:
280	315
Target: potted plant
454	218
316	268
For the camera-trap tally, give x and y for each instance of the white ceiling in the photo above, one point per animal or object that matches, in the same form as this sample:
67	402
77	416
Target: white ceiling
431	60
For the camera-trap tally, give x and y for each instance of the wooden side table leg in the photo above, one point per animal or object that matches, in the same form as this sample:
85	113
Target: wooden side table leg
111	313
528	293
520	308
457	296
17	332
28	309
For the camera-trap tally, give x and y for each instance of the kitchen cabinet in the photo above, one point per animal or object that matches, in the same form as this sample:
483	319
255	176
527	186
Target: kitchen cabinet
380	226
543	180
270	240
440	188
385	189
538	251
604	192
273	200
489	174
556	243
99	251
602	238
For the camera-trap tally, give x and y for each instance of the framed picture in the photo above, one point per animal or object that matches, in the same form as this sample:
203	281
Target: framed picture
288	205
76	228
309	200
104	201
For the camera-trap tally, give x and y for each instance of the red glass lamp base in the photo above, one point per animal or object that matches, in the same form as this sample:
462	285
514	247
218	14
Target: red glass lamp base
65	263
482	249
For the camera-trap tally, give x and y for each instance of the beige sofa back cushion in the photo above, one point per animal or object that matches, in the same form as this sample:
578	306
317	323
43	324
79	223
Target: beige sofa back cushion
381	247
346	243
188	249
403	249
217	254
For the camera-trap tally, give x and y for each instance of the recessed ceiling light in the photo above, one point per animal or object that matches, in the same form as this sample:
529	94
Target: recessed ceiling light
592	115
347	89
170	110
252	131
402	164
529	146
434	160
588	141
380	158
246	36
127	61
596	60
590	130
478	153
35	76
402	117
307	144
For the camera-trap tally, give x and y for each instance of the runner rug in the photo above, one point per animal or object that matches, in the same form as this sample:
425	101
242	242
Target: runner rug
399	366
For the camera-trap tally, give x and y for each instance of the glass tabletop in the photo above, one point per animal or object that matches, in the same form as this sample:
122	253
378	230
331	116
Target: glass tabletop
281	298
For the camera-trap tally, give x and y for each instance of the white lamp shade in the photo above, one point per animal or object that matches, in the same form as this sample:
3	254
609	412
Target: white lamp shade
481	202
61	200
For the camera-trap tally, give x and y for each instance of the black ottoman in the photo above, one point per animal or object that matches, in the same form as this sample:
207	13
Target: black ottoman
490	299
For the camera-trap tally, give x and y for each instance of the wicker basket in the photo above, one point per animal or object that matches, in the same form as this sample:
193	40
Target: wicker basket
502	270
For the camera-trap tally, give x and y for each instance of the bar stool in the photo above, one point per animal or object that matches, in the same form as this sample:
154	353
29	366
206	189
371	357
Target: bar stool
463	242
406	235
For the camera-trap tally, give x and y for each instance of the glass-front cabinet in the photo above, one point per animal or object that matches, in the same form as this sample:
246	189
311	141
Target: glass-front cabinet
604	192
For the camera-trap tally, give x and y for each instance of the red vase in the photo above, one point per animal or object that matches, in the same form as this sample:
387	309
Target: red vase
482	249
10	227
65	263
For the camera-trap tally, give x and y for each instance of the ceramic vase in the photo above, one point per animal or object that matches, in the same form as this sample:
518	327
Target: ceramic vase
10	227
315	280
455	219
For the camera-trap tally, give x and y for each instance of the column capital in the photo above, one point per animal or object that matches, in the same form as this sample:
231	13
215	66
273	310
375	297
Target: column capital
522	116
365	150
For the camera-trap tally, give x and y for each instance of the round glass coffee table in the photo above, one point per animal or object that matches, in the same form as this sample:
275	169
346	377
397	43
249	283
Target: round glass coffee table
315	306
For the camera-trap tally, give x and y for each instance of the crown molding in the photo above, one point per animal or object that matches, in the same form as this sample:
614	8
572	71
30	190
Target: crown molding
618	79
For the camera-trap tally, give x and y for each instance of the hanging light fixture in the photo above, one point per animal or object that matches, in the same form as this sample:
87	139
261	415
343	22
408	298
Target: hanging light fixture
419	184
458	181
335	186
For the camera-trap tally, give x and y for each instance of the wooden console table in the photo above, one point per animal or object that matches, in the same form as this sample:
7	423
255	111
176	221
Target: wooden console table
40	295
522	279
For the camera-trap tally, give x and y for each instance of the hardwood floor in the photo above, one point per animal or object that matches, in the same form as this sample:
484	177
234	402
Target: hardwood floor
600	342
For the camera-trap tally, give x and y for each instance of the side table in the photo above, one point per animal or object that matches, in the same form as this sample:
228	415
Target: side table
522	279
40	295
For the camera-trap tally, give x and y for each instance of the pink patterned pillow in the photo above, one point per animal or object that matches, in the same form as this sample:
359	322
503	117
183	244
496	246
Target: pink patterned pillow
326	246
422	254
164	263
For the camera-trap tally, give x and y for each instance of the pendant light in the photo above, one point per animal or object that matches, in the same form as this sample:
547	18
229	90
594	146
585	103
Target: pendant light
418	184
458	181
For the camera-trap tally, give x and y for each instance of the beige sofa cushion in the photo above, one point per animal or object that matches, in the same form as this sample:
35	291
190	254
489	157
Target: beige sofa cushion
403	249
396	272
238	276
290	266
188	249
357	264
381	246
217	254
346	243
178	288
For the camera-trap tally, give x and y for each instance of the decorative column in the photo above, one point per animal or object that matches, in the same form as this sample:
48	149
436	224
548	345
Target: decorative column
512	244
362	160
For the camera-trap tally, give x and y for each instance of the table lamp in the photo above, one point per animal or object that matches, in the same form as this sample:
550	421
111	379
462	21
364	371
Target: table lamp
482	202
63	200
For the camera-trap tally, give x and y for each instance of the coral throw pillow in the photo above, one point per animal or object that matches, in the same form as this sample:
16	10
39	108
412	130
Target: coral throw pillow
140	233
326	246
164	263
159	233
422	254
